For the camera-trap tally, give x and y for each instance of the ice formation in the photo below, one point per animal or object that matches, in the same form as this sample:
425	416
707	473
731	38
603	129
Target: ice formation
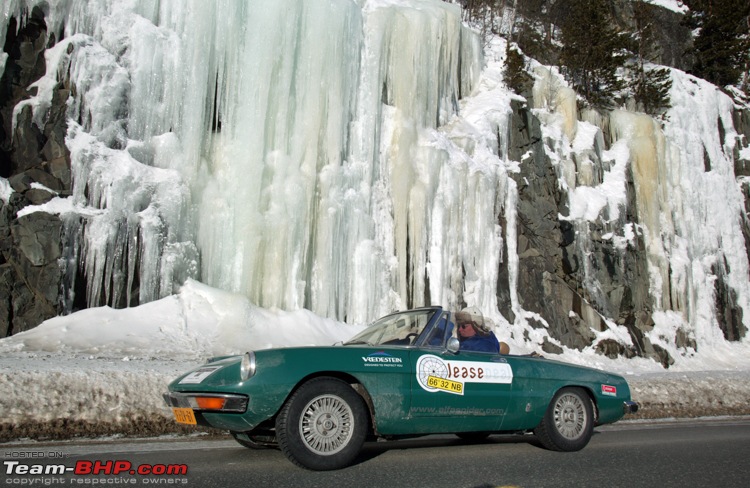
349	157
689	203
305	154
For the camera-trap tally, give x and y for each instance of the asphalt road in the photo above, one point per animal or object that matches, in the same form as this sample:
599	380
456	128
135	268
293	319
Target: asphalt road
681	454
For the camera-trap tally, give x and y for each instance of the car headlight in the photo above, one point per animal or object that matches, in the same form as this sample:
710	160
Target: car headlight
247	366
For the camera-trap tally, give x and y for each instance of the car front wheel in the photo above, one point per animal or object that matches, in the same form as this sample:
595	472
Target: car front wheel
568	423
323	425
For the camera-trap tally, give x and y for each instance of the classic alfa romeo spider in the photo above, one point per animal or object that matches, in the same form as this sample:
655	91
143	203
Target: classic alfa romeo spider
405	375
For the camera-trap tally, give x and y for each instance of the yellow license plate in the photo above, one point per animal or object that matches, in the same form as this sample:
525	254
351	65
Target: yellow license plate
184	416
445	385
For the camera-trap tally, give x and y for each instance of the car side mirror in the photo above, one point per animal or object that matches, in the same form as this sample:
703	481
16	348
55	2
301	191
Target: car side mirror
453	345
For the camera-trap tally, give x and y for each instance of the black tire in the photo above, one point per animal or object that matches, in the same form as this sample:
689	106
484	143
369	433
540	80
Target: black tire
473	436
323	425
568	423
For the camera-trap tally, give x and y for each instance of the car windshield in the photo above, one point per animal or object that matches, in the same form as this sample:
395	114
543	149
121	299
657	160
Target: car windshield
401	329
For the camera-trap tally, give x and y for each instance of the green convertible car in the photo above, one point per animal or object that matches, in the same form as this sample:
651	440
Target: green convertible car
405	375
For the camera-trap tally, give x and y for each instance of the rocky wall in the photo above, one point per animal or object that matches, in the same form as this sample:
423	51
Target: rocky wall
569	274
36	164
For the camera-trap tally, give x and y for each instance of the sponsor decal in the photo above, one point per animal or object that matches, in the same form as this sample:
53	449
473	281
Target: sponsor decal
199	375
434	374
609	390
382	358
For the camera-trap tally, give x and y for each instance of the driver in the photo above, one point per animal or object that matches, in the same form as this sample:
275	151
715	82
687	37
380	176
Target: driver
473	334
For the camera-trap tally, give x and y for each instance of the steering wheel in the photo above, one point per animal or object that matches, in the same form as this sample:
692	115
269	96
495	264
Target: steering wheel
411	335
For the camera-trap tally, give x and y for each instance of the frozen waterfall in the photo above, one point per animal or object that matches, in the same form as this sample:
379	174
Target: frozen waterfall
350	157
689	205
305	154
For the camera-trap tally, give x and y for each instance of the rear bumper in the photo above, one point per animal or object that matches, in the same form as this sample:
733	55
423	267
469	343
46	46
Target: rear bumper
629	407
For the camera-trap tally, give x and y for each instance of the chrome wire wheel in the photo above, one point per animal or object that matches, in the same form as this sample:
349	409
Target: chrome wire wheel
323	424
568	423
570	416
326	424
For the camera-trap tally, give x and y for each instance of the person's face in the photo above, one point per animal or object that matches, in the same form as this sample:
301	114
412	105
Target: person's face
466	330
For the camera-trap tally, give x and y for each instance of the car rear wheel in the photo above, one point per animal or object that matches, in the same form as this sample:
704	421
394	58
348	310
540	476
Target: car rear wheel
323	425
569	421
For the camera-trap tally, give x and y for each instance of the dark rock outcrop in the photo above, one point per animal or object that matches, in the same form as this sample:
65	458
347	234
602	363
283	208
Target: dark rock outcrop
36	163
568	274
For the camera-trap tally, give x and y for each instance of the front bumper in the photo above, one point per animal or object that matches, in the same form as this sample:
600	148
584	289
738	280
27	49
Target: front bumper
234	416
230	404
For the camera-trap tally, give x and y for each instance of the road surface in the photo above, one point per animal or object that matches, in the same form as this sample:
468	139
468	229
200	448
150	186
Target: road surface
635	454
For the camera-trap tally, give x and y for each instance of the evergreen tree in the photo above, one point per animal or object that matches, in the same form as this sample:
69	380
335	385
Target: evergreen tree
650	86
722	44
592	51
481	14
533	31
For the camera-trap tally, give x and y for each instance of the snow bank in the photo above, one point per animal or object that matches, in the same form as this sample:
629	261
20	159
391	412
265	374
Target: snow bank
197	323
103	371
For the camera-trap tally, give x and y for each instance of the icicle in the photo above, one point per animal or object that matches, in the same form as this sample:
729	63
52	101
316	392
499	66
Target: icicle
303	154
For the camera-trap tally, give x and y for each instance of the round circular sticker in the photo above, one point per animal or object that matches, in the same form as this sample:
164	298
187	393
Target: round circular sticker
430	366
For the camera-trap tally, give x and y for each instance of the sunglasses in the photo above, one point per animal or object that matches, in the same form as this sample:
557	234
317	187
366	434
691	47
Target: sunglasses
465	326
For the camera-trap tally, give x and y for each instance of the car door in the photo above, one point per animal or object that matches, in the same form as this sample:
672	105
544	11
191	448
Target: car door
457	392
